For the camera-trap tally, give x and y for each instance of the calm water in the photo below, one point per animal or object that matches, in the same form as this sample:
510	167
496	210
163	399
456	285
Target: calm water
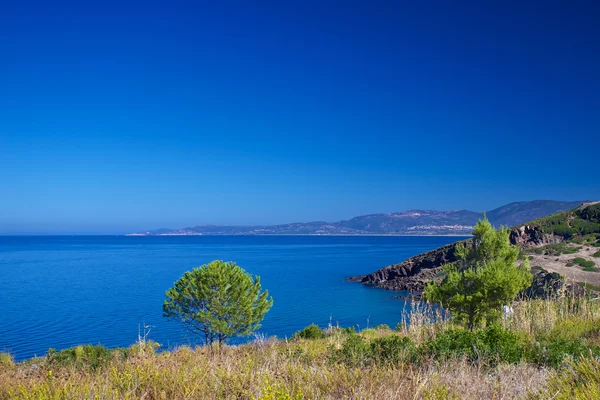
58	291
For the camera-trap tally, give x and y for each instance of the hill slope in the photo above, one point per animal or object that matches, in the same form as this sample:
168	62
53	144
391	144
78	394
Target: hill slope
566	243
411	222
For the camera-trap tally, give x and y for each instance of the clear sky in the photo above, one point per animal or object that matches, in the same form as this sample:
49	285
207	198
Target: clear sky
122	116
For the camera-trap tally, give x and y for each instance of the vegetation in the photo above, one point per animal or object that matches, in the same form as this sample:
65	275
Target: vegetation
556	249
310	332
578	222
6	360
545	348
219	300
587	265
423	359
483	279
581	380
589	286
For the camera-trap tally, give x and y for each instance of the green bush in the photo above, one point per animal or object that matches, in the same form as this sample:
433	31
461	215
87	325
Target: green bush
557	350
597	254
358	352
561	248
355	352
583	262
383	327
310	332
81	356
6	360
453	343
393	350
493	344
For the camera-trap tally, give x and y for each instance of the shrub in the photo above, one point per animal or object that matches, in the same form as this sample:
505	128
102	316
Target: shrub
597	254
579	380
503	345
310	332
589	286
383	327
562	248
572	329
583	262
555	351
453	343
6	360
393	349
493	344
355	352
81	356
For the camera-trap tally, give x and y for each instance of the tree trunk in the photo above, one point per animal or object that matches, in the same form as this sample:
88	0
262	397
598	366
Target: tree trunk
471	320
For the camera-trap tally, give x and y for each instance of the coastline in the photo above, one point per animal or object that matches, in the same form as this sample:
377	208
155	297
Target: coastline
294	234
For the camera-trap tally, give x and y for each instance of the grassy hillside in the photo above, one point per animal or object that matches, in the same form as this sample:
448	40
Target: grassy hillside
580	221
572	246
545	347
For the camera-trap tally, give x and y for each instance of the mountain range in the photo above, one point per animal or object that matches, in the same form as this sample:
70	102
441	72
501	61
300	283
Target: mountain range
411	222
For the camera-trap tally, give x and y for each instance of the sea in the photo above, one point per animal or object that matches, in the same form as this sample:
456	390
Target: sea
62	291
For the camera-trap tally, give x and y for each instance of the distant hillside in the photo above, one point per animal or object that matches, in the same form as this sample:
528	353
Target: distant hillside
517	213
411	222
565	243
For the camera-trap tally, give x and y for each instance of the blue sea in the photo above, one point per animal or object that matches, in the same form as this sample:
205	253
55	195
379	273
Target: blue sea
61	291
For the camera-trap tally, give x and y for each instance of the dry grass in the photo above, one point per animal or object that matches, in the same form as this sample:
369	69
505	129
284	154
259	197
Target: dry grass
536	317
271	370
300	369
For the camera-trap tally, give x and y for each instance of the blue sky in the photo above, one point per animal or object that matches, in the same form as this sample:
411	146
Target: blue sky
125	116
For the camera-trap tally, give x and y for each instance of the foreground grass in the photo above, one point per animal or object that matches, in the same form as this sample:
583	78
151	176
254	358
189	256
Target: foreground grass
546	349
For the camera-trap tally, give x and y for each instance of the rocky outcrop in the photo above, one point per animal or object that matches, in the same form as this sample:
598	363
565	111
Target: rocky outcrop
532	236
412	274
416	272
545	284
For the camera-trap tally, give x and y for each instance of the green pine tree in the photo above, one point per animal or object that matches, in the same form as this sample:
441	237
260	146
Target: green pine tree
484	278
219	300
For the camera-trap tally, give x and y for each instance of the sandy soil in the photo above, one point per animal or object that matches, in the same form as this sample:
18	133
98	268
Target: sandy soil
574	273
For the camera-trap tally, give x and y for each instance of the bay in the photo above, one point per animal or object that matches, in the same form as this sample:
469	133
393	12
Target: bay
62	291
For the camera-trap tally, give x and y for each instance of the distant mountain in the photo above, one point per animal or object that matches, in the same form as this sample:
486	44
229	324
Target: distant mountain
411	222
517	213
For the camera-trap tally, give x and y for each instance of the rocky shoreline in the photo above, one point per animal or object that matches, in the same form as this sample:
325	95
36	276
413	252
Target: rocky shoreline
416	272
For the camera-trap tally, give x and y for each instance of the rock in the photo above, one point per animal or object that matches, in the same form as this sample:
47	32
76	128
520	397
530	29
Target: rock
412	274
545	284
532	236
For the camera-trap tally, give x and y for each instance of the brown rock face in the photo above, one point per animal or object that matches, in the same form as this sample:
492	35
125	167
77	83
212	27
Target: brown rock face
412	274
532	236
